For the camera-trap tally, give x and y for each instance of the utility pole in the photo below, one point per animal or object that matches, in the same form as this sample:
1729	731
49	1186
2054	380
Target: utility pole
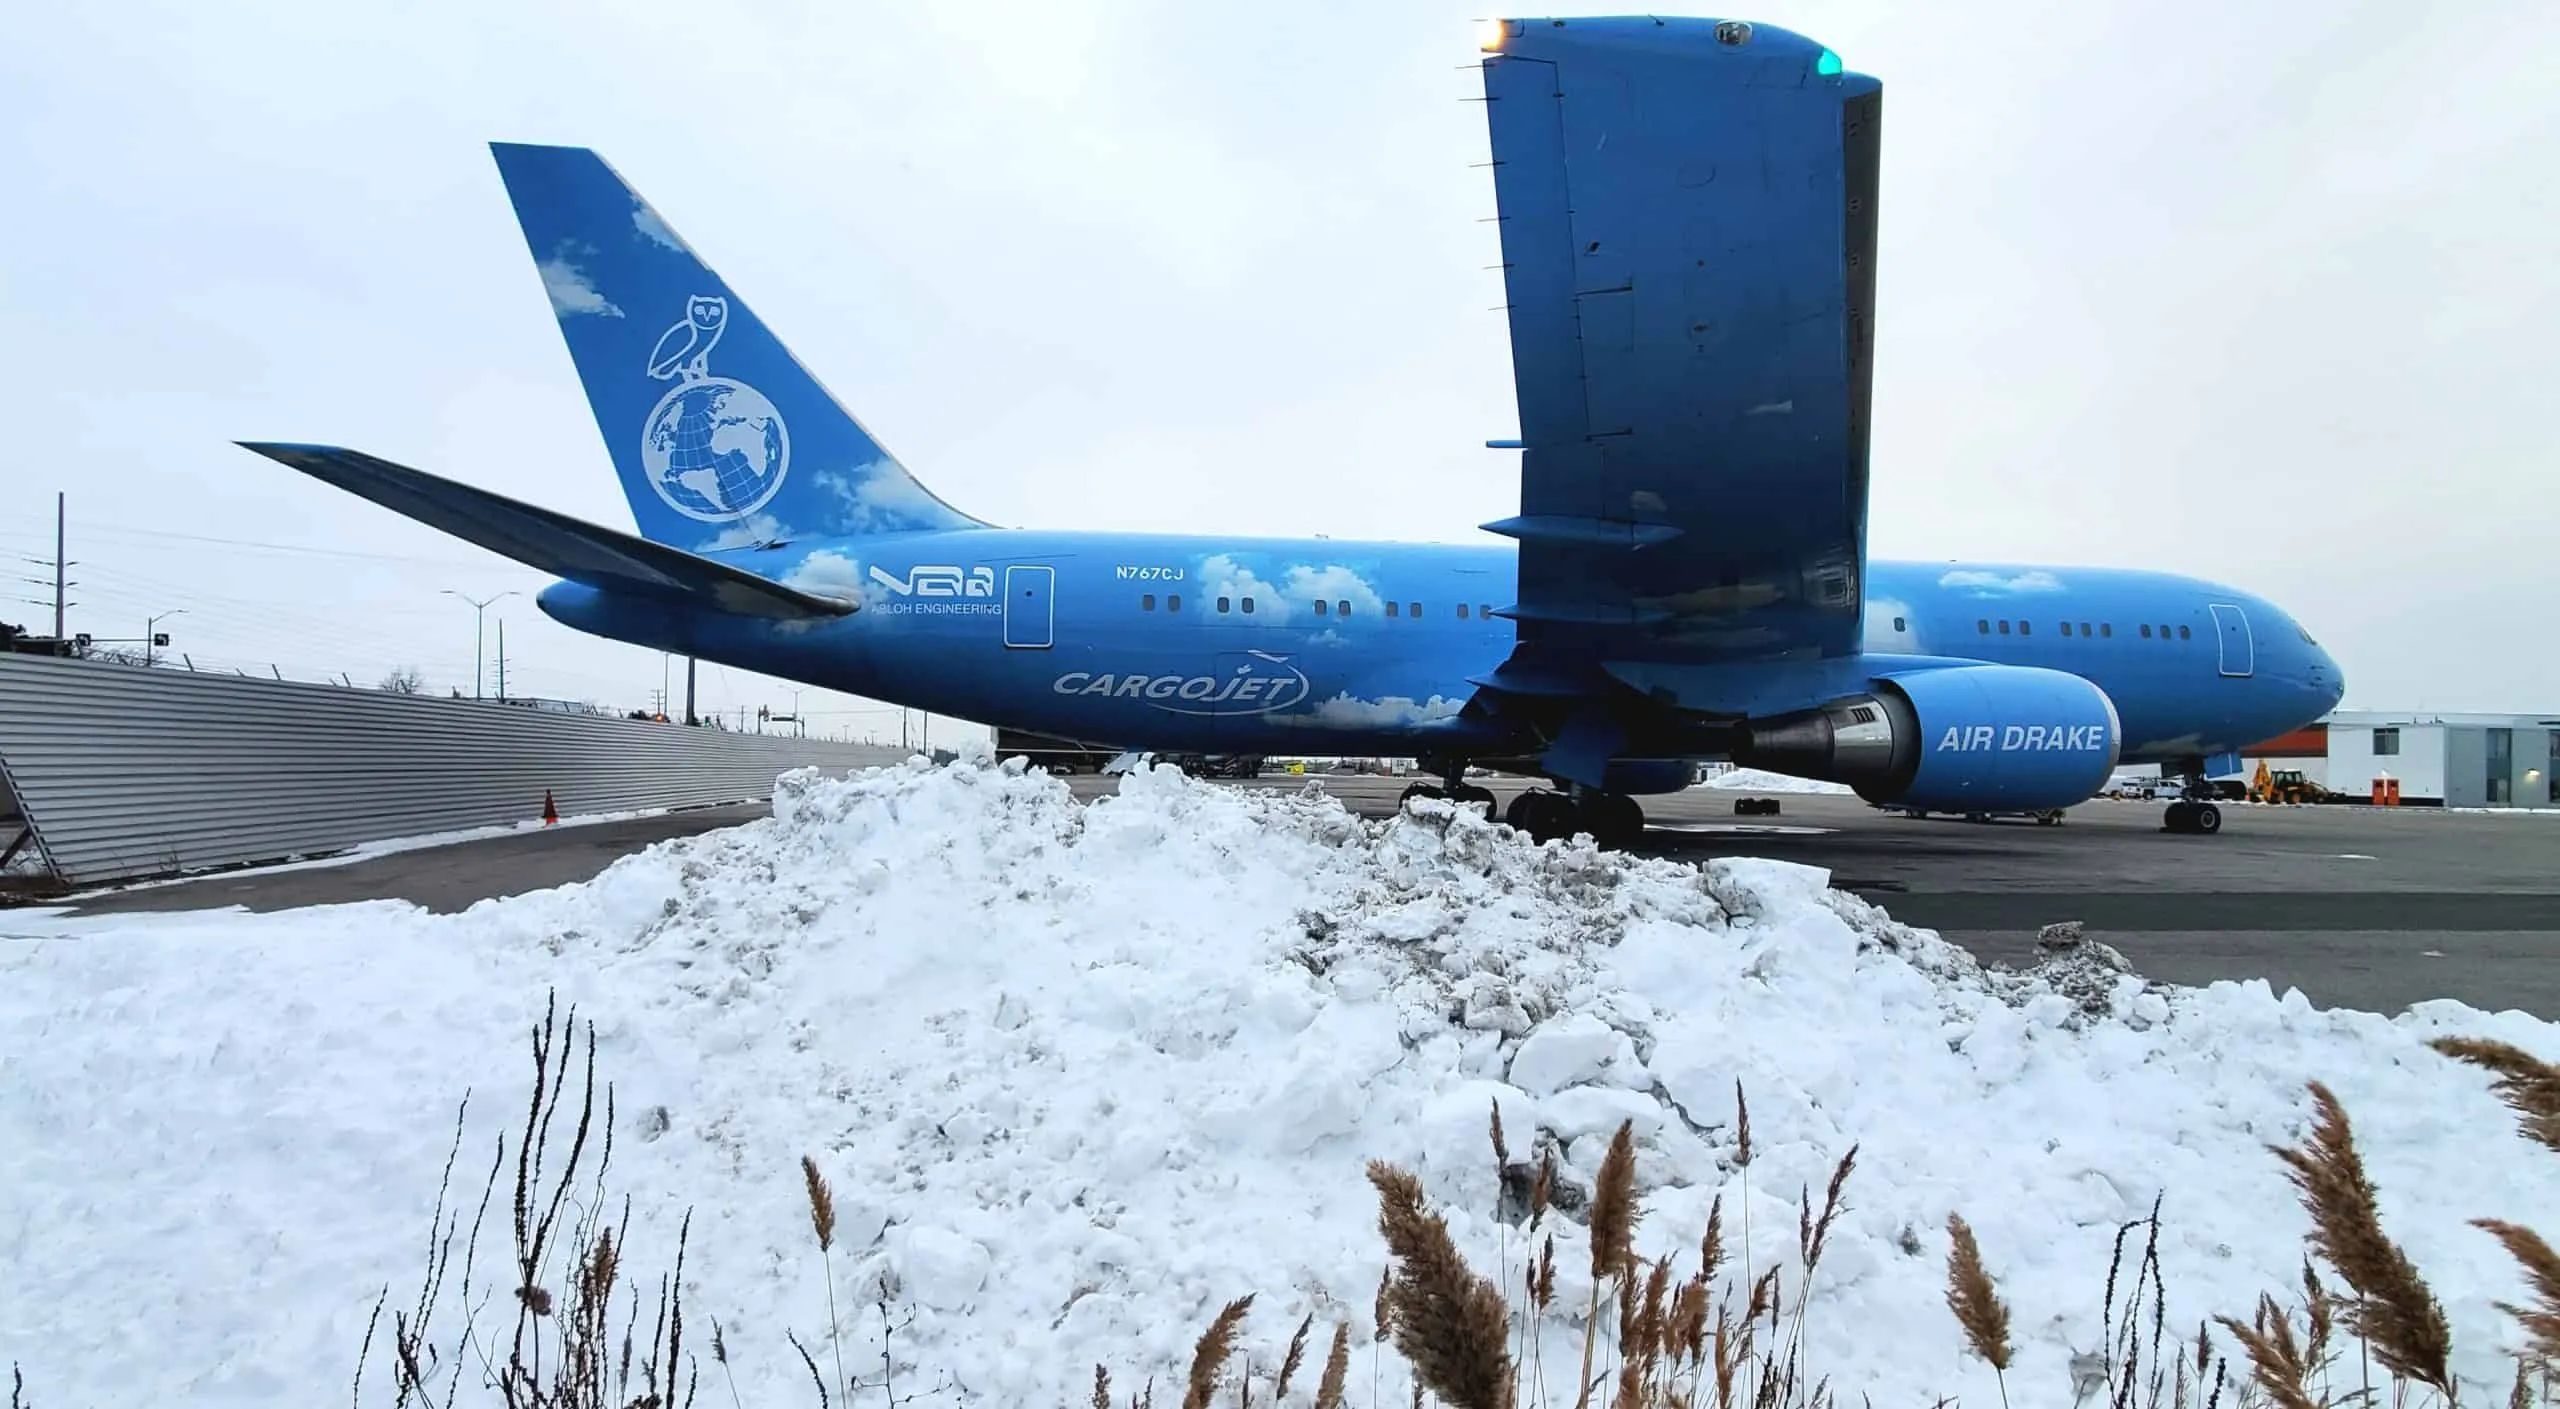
689	717
502	660
59	565
479	608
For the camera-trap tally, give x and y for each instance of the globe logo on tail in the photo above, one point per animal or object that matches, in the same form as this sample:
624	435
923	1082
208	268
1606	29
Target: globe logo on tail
714	448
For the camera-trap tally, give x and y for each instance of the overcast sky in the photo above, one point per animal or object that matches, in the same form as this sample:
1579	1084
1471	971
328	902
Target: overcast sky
2257	291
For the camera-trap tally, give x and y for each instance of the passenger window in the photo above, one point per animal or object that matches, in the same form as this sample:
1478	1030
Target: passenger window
2004	628
2182	633
1391	609
1322	605
2164	633
1173	604
2084	628
1413	609
1898	626
2106	630
1462	611
1484	609
1222	604
1248	606
2066	628
1983	626
1148	602
2146	631
1342	609
2026	628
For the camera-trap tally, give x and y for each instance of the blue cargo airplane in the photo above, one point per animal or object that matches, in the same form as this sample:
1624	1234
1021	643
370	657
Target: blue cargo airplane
1688	225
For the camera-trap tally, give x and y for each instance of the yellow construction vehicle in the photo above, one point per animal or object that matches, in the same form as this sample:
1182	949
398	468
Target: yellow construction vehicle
2285	785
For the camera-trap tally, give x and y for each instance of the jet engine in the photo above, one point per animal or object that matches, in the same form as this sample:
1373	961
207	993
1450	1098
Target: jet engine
1976	738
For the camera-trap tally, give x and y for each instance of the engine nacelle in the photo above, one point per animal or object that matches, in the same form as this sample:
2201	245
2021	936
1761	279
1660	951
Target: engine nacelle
1977	738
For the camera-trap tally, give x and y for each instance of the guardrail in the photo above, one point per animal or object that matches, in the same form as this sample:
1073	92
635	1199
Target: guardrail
122	772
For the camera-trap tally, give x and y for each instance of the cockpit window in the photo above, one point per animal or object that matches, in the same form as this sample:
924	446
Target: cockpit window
2305	633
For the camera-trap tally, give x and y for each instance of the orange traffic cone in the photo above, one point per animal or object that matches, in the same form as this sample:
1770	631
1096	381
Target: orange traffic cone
550	814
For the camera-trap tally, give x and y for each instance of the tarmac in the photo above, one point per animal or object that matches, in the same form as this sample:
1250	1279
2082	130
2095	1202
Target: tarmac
2358	907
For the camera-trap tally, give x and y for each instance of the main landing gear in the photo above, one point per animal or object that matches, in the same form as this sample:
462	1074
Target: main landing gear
2199	818
2193	818
1456	789
1613	819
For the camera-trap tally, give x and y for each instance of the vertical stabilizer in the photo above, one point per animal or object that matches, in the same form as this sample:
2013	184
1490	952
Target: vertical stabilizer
721	437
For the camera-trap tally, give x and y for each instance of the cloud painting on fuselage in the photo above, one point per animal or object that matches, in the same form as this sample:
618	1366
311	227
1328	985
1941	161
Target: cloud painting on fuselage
1686	580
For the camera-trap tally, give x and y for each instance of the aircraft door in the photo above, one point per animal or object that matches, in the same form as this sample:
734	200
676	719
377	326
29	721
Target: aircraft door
1030	607
2239	648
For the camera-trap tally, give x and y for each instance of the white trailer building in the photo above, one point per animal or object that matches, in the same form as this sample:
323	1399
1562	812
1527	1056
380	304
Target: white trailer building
2449	760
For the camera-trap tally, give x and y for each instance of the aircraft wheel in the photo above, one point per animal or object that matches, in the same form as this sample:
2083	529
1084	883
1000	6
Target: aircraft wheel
1614	820
1468	794
2048	819
2206	820
1418	790
2180	817
1545	816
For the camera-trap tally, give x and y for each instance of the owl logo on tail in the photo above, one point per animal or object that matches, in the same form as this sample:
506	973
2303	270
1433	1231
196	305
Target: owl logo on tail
684	351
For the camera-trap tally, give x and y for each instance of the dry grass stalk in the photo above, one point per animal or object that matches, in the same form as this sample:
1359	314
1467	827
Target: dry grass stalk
2276	1362
1337	1368
1101	1388
1711	1246
1812	1234
2320	1308
564	1349
2541	1321
1741	1126
822	1221
2396	1312
2520	1397
1210	1355
1613	1225
2528	1084
1613	1207
1450	1323
1976	1302
1501	1151
2123	1365
1297	1353
822	1203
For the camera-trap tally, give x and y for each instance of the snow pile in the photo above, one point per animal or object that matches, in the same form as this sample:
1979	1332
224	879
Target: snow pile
1081	1074
1757	780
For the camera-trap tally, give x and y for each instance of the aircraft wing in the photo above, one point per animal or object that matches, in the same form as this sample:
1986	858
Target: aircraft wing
1688	221
553	542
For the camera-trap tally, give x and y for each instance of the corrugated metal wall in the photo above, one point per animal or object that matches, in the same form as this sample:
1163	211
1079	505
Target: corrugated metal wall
127	772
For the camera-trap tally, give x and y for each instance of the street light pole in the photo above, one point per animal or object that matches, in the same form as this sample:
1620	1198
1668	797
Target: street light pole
479	608
150	625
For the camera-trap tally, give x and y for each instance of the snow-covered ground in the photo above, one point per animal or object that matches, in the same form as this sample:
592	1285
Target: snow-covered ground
1756	780
1081	1074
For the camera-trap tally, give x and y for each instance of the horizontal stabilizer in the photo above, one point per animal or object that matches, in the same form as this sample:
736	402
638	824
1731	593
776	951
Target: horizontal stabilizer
553	542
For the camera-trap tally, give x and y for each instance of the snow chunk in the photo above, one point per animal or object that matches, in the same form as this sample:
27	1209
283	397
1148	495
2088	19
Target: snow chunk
1565	1051
938	1268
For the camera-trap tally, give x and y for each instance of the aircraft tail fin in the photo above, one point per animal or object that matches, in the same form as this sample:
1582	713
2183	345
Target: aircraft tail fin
722	439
